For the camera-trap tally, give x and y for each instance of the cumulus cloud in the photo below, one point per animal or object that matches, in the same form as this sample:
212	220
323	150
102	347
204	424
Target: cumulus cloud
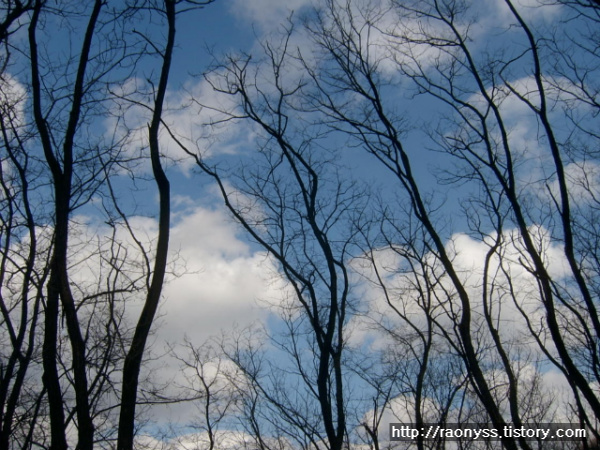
267	14
414	39
513	298
12	101
217	282
195	116
422	291
538	401
524	136
469	256
583	182
527	139
530	10
216	277
223	439
529	143
222	282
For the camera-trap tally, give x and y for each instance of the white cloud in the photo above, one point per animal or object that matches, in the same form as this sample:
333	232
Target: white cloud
199	117
527	139
524	136
12	101
539	401
224	278
583	183
508	309
219	283
267	14
544	392
224	439
530	11
196	115
221	287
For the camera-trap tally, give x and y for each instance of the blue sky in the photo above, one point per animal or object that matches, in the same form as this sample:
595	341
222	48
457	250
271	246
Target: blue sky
233	277
222	279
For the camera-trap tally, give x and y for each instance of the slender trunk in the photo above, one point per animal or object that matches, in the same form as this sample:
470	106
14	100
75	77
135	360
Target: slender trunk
58	288
9	400
58	440
133	360
63	188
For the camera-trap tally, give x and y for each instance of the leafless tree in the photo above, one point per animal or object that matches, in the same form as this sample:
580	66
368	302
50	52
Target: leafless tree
430	45
22	279
50	151
212	385
294	202
512	313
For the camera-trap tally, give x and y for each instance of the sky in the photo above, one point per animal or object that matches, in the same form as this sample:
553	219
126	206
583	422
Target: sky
228	275
225	281
219	279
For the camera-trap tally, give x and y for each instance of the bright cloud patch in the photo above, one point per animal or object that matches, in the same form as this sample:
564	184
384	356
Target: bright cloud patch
222	282
268	14
196	121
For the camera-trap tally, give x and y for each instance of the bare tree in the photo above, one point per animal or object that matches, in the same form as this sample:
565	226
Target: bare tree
470	311
295	204
509	312
51	151
21	278
430	45
213	387
133	360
